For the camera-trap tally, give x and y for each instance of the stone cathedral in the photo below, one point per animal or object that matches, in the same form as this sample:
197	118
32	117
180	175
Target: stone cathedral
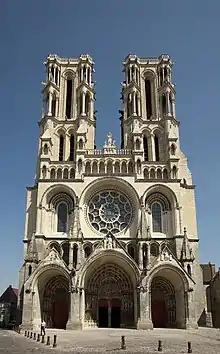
111	232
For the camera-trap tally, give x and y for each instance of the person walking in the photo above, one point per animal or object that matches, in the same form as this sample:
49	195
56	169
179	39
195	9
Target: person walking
42	330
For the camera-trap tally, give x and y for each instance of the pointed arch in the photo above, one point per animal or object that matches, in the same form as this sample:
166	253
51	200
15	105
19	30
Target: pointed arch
61	147
117	167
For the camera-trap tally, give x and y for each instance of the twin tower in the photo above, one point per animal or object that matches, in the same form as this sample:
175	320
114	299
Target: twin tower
148	122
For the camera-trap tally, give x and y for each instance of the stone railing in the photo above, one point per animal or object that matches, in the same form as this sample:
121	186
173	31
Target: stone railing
108	151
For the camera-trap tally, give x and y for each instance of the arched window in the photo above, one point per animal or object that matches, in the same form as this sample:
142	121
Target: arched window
65	255
72	173
144	252
137	144
65	173
165	173
129	105
56	76
29	270
72	147
148	98
87	251
69	89
61	148
174	172
117	167
156	143
52	173
156	211
131	251
136	104
189	270
154	249
75	255
146	155
172	149
87	102
62	212
163	105
80	144
138	166
44	172
161	77
53	106
146	173
46	149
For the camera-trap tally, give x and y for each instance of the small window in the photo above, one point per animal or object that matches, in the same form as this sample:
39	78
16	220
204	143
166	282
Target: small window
61	151
146	155
65	257
72	148
148	98
189	270
62	217
29	270
157	150
157	217
131	251
46	149
87	251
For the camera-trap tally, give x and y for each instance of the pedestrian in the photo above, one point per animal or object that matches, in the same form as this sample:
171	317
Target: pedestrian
42	330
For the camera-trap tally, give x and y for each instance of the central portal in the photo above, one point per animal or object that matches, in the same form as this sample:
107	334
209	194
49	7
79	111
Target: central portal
109	313
109	298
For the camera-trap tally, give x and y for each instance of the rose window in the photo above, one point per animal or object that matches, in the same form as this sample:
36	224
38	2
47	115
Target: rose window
109	211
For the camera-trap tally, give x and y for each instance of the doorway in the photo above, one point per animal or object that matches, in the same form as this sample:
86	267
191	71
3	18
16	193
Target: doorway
163	303
103	313
55	306
159	314
115	313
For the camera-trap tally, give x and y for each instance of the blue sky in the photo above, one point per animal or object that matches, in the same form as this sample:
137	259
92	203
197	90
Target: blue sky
108	31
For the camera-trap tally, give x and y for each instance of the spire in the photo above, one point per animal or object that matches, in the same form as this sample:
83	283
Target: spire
186	252
143	229
32	254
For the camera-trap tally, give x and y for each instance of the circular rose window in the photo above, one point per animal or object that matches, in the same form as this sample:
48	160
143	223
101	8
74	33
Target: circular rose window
109	211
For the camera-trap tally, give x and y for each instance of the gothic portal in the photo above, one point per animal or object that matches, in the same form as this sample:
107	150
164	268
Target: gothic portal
110	235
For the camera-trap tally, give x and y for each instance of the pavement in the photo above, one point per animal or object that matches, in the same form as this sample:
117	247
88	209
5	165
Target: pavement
203	341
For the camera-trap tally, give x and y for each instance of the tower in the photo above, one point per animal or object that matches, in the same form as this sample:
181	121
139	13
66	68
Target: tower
111	235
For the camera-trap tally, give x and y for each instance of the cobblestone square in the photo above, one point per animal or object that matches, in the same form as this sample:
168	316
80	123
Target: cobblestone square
203	341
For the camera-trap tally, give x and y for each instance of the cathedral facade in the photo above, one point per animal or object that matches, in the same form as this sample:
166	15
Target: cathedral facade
111	233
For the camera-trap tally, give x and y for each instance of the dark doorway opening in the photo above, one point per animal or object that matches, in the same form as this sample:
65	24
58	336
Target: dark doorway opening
159	314
103	317
116	317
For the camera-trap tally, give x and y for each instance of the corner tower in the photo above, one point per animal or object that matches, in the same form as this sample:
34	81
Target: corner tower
149	120
68	121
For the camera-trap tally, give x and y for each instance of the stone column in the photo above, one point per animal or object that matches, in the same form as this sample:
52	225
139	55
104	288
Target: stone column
56	110
177	221
153	148
173	108
71	256
168	103
74	310
49	113
83	103
91	108
144	321
140	258
134	103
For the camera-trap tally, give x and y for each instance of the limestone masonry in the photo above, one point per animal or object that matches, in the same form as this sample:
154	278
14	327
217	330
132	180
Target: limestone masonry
111	234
